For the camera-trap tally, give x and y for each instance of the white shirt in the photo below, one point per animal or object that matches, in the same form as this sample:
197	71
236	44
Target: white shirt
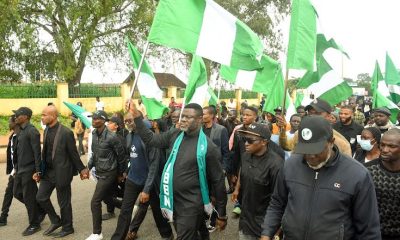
99	106
231	105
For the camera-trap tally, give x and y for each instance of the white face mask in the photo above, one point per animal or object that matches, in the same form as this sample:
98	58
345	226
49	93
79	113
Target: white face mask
366	144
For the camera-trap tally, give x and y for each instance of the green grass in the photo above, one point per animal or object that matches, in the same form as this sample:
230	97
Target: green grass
35	120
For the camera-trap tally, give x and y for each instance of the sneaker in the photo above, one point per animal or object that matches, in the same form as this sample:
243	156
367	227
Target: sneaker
3	221
237	210
211	228
108	216
95	236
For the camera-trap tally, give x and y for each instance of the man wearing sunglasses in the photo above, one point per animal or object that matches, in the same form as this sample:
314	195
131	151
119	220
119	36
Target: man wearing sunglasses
259	169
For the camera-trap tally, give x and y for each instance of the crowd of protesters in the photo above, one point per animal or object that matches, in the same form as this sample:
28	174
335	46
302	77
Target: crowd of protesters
330	172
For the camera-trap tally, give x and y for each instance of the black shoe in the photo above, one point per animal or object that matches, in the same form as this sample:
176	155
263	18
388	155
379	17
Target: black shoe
63	233
3	221
31	230
51	229
108	216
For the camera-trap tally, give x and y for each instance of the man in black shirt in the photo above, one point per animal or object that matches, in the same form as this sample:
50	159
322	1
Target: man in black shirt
59	171
385	173
28	152
188	213
11	161
260	166
348	127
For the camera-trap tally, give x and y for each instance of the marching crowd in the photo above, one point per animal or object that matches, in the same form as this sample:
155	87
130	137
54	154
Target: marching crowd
326	173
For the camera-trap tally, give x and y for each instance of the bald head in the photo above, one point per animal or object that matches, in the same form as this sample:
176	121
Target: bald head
49	116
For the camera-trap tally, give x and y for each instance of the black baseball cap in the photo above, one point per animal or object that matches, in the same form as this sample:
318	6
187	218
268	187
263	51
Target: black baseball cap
23	111
257	129
100	114
319	105
314	132
116	120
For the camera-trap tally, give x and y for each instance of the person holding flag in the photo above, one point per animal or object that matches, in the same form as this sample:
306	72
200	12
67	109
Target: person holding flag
184	194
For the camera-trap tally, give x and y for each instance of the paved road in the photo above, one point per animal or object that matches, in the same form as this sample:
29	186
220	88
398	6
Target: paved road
81	194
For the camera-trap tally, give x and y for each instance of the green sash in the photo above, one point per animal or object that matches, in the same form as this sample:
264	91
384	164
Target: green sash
166	188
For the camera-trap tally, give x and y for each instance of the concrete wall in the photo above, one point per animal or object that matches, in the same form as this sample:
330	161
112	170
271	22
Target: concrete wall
112	104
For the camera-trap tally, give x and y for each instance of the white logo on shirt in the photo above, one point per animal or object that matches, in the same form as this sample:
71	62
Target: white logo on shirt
336	185
133	153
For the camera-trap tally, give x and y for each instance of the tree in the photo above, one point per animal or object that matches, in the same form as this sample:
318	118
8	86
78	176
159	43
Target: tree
364	80
62	37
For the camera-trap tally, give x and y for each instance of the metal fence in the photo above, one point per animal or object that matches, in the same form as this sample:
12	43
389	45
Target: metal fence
94	90
28	91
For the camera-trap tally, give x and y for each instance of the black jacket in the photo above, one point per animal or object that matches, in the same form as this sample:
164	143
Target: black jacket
11	161
336	202
108	153
28	149
257	181
65	158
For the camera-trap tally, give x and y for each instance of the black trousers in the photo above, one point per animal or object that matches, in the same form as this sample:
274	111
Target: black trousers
131	194
191	227
8	196
46	187
162	224
25	190
80	140
101	193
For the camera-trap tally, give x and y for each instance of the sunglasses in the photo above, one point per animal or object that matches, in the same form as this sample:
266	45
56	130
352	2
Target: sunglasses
250	140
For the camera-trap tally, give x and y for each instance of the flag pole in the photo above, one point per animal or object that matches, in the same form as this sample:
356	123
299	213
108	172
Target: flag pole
138	71
219	82
285	89
183	106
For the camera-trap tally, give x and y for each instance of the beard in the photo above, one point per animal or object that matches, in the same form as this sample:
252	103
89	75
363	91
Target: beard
345	120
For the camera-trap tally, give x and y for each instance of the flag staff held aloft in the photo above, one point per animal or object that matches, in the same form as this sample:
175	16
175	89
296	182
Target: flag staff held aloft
146	48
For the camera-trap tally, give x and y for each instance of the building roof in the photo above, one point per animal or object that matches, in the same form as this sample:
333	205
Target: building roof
164	80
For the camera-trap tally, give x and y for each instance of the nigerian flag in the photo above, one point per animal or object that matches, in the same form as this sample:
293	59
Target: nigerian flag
260	81
204	28
381	94
325	83
302	36
150	93
197	89
392	78
81	113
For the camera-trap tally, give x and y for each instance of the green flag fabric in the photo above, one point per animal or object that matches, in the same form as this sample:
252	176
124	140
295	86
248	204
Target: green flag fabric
197	89
81	113
257	81
325	83
392	78
150	92
302	36
381	94
204	28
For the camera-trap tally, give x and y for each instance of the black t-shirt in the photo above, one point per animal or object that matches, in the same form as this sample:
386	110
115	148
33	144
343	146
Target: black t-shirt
207	131
350	132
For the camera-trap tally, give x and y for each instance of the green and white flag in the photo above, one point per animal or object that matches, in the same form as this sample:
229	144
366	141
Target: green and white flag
260	81
392	78
325	83
81	113
150	92
302	36
299	99
381	94
274	98
197	89
204	28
